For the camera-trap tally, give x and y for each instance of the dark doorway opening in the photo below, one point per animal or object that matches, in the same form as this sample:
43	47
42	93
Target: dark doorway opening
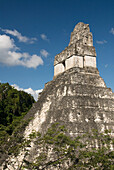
64	64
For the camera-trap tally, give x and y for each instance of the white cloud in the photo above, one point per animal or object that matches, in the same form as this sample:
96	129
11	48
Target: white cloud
9	56
6	42
44	37
19	36
112	31
44	53
34	93
101	42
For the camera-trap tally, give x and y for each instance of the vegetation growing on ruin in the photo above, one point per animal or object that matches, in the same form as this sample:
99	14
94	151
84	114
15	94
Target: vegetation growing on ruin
57	149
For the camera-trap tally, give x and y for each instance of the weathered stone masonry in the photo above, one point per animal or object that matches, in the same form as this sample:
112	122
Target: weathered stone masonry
77	96
79	53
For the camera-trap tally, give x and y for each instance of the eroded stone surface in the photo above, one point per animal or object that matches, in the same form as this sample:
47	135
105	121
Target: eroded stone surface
81	45
78	97
89	61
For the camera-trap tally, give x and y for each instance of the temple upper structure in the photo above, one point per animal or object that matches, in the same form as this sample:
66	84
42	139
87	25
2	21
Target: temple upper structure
79	53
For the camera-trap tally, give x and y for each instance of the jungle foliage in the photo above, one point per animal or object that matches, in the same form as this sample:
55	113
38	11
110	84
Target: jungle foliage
56	149
14	105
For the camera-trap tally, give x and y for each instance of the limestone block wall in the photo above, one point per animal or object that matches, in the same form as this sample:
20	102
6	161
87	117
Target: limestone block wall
89	61
75	61
81	44
88	40
79	99
70	62
79	61
59	68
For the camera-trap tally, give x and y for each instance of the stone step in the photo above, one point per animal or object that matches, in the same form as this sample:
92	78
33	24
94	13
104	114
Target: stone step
83	90
82	101
81	119
84	79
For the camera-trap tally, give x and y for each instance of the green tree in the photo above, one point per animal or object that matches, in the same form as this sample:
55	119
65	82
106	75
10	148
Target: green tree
57	149
14	105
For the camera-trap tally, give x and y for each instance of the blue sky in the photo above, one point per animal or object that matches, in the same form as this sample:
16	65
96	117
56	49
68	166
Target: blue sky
34	31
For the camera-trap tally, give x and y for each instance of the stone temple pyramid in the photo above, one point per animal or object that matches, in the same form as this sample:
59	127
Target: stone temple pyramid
77	96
